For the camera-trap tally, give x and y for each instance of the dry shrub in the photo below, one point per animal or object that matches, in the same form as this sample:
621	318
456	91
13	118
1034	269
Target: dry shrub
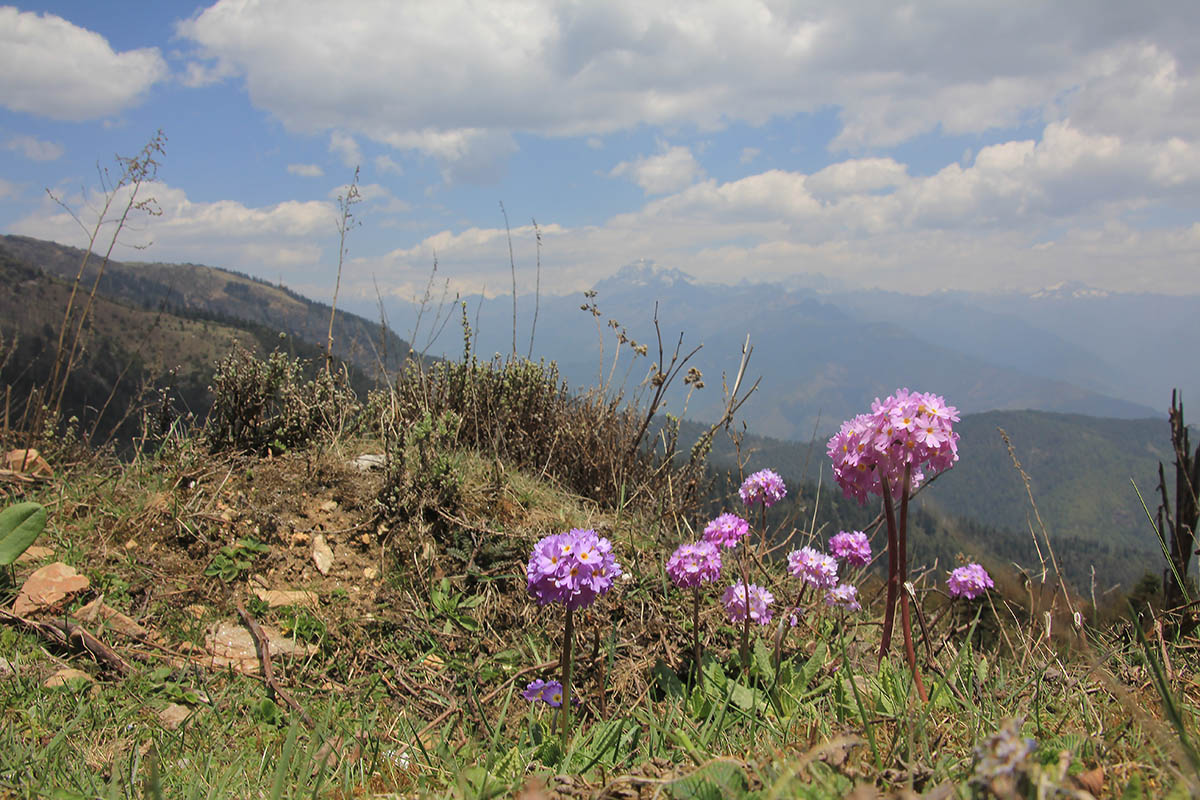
523	413
261	405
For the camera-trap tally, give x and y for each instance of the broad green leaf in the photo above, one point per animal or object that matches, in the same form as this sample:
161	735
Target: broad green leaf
19	527
666	679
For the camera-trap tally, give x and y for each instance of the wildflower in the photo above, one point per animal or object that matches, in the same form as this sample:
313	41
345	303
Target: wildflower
735	601
969	581
844	595
764	486
813	567
533	692
908	429
552	694
1004	753
726	530
852	546
548	692
572	568
695	563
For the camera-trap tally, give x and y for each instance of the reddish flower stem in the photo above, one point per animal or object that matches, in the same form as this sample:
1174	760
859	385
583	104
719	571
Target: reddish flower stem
905	619
568	640
893	584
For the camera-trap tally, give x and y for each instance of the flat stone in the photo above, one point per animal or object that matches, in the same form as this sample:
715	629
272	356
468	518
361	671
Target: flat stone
65	676
47	586
173	716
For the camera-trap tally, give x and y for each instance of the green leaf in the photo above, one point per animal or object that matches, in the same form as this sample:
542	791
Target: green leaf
762	661
743	697
19	527
714	782
668	682
811	667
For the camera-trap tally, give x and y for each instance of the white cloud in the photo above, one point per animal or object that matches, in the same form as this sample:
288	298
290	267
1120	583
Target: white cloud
8	190
52	68
857	176
1017	213
409	75
306	170
344	147
669	171
34	149
748	155
284	236
388	164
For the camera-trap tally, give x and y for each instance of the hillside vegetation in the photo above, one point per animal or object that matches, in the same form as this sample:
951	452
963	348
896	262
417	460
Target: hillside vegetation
388	596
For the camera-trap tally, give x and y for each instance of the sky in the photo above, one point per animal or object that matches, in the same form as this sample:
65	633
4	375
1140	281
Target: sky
915	147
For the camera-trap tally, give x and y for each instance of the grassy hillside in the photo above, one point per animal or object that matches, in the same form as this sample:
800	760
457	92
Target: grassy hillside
219	294
128	352
297	626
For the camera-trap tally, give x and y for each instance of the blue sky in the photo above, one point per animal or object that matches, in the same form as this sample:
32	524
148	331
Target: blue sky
935	145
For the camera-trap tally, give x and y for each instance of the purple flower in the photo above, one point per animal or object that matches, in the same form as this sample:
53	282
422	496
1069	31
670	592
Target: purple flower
969	581
760	600
695	563
726	530
764	486
552	694
572	568
813	567
533	692
852	546
844	595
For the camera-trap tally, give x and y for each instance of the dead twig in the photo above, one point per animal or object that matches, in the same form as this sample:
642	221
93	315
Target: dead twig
263	647
72	636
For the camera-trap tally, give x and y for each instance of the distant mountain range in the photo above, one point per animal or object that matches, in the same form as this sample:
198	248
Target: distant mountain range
824	355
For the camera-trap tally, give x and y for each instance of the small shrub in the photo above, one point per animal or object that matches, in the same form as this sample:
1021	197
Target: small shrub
269	405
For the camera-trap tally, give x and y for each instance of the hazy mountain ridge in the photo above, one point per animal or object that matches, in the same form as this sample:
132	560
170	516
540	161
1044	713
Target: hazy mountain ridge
221	294
823	355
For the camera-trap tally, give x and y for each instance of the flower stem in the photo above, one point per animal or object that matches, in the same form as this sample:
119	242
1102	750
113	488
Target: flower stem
568	639
905	619
696	629
893	584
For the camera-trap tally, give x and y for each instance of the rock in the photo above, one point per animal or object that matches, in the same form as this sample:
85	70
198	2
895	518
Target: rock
66	676
370	573
34	553
47	586
329	505
173	716
112	619
286	597
230	644
368	461
322	554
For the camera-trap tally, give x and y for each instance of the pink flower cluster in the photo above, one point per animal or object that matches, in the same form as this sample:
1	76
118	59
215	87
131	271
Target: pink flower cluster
908	428
969	581
764	486
853	546
844	595
813	567
738	599
695	563
572	568
726	530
